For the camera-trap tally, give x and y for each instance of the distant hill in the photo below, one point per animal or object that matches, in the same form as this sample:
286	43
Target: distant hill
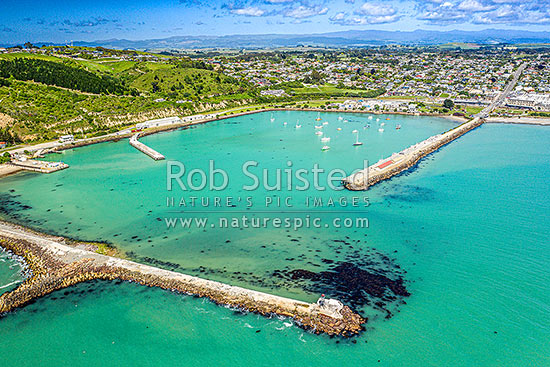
355	38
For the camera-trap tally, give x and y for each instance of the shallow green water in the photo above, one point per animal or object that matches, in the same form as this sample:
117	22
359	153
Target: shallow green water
10	272
469	227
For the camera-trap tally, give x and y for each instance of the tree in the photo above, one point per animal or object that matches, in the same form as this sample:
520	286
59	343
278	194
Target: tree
316	76
448	104
5	158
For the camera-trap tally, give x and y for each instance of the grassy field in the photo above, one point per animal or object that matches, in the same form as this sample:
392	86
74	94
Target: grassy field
472	110
327	89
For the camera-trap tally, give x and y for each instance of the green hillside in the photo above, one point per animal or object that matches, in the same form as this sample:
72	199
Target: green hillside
45	95
61	75
187	83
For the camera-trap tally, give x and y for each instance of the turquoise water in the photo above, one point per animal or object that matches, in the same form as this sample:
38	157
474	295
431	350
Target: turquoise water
112	192
469	227
10	272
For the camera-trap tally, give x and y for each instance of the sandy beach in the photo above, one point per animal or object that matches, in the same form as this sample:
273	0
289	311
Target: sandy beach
8	169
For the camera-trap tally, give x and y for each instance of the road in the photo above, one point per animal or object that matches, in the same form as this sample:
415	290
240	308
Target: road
398	162
502	96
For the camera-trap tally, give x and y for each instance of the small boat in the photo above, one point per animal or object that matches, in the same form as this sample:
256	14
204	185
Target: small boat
325	123
398	127
325	148
382	124
377	120
340	118
381	130
325	139
370	117
318	117
339	129
367	126
318	126
284	123
298	124
354	131
345	120
272	118
319	133
357	142
387	118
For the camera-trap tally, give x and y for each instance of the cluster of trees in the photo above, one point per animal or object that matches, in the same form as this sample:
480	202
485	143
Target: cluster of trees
61	75
5	158
449	104
8	136
4	82
314	78
193	64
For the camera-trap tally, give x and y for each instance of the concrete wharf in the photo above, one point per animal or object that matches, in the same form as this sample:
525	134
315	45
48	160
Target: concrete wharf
39	166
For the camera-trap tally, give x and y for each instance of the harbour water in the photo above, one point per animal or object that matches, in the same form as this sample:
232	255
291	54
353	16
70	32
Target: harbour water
469	228
11	272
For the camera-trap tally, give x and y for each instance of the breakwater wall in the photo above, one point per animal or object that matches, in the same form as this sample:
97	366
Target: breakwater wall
55	265
144	148
404	160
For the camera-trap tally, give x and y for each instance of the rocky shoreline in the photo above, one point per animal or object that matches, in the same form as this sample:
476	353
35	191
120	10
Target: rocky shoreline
55	265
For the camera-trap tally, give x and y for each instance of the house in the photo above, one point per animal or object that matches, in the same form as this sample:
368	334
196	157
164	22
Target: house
274	93
66	138
3	144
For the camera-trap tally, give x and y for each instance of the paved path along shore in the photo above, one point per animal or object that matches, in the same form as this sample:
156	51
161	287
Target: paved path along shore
56	265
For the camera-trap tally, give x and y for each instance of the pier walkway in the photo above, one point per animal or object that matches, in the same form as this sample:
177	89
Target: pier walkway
144	148
56	265
399	162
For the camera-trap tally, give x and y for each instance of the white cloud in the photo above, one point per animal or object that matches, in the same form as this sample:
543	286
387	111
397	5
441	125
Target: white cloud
338	16
250	11
475	6
383	19
376	10
305	11
484	11
367	14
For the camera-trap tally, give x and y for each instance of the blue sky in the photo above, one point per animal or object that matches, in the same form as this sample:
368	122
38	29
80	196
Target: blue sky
64	20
